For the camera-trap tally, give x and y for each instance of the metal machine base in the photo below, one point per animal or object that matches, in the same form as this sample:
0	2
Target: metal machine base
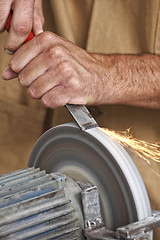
36	205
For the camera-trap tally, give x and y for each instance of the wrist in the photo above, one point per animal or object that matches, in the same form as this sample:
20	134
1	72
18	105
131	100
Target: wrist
112	78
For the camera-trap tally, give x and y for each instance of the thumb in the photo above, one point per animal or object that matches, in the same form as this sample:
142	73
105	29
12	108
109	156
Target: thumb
38	18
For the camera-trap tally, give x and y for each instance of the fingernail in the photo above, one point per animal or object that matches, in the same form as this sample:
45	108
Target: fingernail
44	101
8	73
8	51
31	92
5	70
38	31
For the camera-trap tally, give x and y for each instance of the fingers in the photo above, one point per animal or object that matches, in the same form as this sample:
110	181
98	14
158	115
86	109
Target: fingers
27	15
5	7
21	24
29	56
43	84
27	52
56	97
41	76
38	18
32	71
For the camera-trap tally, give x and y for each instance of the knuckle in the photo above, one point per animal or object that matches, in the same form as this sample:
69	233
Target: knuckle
22	23
13	66
74	84
45	102
22	28
20	79
32	92
56	52
55	98
10	47
65	67
45	37
36	89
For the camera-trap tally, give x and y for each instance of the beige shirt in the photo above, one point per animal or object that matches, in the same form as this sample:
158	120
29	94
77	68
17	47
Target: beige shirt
101	26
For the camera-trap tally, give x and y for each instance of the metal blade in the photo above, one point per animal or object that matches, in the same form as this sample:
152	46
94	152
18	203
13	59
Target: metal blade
82	116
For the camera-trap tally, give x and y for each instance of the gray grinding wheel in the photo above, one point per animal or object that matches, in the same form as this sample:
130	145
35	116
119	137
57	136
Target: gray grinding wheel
94	157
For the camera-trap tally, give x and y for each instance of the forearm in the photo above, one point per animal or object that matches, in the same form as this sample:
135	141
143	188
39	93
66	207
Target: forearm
131	79
58	72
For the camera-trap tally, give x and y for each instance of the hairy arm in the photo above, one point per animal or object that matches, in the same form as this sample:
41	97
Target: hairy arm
58	72
131	79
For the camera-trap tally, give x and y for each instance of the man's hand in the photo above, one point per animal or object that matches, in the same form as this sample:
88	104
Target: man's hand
27	16
58	72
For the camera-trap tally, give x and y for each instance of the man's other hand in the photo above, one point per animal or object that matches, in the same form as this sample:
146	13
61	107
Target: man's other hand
27	16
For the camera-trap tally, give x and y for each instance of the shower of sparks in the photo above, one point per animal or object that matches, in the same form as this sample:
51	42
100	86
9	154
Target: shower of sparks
147	151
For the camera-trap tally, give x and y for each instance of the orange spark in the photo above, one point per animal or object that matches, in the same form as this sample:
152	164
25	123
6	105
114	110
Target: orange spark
147	151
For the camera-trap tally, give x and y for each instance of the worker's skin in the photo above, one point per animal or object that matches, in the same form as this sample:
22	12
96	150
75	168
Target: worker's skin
58	72
27	15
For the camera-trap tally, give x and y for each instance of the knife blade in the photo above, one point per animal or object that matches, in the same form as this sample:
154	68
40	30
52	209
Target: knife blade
82	116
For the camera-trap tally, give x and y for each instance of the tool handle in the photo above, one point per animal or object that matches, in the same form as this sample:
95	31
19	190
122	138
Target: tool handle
8	24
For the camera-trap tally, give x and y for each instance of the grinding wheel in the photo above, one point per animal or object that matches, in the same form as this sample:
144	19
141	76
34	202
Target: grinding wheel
93	156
